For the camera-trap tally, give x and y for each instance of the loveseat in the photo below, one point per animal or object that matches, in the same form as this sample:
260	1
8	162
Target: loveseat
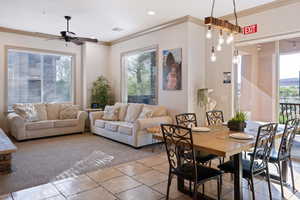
39	120
131	123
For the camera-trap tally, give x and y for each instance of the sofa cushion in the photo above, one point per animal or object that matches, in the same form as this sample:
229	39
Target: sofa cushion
133	112
30	126
122	110
158	111
126	128
65	123
69	112
111	126
100	123
53	110
111	113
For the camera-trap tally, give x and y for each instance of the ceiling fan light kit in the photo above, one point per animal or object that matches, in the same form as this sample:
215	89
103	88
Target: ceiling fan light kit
222	26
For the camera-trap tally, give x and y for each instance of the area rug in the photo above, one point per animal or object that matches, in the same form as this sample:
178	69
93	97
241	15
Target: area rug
40	161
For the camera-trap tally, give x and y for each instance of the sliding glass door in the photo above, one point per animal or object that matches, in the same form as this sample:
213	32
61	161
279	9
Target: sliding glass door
267	80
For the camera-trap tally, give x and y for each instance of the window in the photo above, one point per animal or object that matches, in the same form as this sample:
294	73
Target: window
139	76
38	77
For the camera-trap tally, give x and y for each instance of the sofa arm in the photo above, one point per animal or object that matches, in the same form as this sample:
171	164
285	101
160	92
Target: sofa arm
152	122
82	115
95	115
17	126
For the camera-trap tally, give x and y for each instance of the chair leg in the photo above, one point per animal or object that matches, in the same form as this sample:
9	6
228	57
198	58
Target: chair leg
292	174
195	195
203	189
219	182
252	187
169	184
280	179
269	182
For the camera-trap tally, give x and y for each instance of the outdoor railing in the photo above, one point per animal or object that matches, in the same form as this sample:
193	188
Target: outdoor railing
289	111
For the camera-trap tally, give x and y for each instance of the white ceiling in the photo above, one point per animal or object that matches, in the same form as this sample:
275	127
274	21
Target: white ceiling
96	18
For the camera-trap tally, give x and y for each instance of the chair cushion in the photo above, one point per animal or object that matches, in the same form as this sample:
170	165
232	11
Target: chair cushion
111	126
133	111
111	113
69	112
126	128
273	156
30	126
100	123
229	167
187	171
202	157
122	110
65	123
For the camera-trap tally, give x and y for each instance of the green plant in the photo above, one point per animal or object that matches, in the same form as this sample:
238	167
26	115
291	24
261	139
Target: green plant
239	117
102	92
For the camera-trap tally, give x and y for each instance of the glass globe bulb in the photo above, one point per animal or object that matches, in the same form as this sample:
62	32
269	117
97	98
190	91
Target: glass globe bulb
219	47
213	57
221	38
230	38
209	33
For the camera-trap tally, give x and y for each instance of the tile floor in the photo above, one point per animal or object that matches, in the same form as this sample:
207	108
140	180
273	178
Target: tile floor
144	179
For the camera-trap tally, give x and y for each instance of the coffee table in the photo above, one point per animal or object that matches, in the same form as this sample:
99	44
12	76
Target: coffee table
6	149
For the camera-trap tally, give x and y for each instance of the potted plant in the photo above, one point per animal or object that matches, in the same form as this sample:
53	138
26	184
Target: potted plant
101	93
238	122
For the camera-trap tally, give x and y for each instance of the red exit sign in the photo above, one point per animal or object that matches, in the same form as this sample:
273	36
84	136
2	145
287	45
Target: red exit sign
250	29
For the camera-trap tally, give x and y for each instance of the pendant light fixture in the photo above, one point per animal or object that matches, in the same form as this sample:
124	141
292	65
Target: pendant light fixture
224	28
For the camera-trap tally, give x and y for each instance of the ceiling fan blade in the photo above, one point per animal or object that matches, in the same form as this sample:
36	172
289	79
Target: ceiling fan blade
54	38
78	42
83	39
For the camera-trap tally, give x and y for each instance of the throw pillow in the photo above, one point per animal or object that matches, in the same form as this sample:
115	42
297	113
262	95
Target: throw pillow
26	111
69	112
122	110
41	111
111	113
133	112
146	113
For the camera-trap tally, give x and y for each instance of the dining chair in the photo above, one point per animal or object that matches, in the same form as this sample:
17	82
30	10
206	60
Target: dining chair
190	119
179	143
283	154
258	162
215	117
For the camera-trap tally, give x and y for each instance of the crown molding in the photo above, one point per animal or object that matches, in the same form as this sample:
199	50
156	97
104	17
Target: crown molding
37	34
261	8
159	27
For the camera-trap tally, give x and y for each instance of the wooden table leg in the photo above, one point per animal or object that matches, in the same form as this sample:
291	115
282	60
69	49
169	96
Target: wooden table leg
5	163
238	177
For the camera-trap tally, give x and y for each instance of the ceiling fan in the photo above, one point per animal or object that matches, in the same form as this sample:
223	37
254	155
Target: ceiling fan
69	36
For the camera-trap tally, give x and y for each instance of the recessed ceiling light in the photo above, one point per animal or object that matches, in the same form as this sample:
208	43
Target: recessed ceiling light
117	29
151	12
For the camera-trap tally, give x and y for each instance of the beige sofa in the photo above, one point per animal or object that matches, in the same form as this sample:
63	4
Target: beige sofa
134	131
49	123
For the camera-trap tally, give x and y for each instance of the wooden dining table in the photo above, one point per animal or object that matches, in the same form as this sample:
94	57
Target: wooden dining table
218	141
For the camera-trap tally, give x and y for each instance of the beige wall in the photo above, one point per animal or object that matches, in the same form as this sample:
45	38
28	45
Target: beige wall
95	63
189	37
258	81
